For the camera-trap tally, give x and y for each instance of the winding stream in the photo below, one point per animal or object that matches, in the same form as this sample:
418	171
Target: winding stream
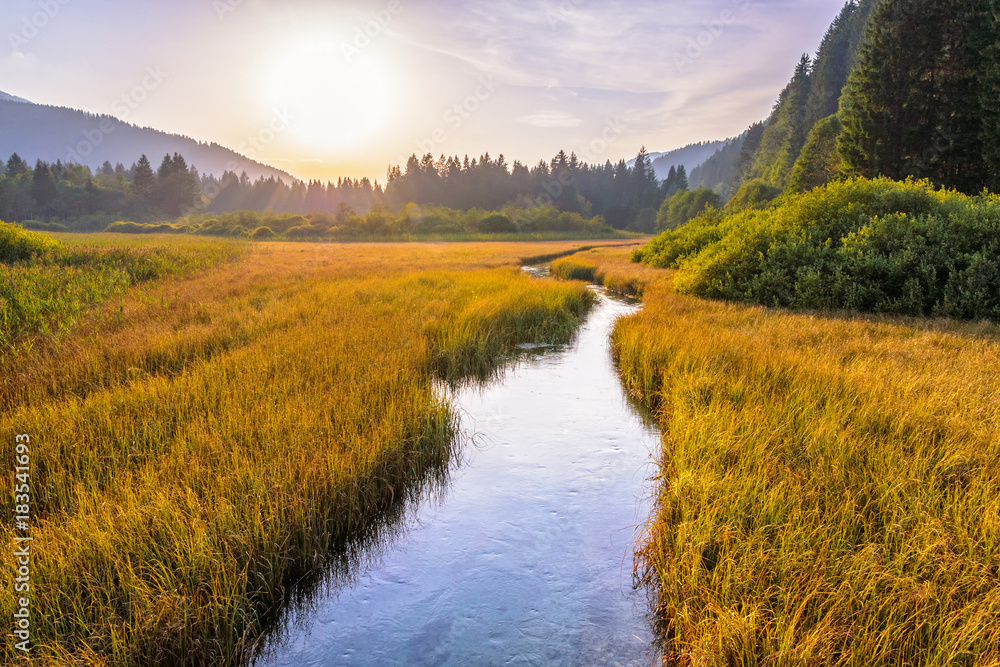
526	558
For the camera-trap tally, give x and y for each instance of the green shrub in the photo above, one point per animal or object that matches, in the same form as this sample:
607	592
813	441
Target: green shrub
756	194
684	206
867	245
40	226
123	227
262	234
18	245
497	223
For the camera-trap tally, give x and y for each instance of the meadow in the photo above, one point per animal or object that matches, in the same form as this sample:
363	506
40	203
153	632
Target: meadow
211	434
204	439
611	267
411	222
827	487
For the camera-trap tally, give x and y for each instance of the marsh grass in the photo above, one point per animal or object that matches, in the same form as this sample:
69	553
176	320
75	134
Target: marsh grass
228	432
828	484
48	287
611	267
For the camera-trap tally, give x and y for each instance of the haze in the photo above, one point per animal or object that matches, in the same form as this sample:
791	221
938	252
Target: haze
301	86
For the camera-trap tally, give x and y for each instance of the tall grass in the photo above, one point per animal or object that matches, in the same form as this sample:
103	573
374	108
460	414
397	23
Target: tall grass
214	445
829	491
47	288
611	267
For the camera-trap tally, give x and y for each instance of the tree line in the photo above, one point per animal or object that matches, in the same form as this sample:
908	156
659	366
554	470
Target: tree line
87	200
625	196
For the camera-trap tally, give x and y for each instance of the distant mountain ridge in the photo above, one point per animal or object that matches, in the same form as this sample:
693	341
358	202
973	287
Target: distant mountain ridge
690	156
50	133
5	97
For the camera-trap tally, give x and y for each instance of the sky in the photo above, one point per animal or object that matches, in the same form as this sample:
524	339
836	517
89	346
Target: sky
330	88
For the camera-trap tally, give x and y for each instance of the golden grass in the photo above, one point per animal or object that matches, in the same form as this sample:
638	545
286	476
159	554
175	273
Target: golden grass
610	266
829	484
61	285
228	431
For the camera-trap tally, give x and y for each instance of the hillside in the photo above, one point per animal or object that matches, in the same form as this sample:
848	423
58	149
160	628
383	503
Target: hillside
690	156
768	151
36	131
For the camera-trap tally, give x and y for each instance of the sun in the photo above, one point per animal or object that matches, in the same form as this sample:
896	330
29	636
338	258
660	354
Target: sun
335	99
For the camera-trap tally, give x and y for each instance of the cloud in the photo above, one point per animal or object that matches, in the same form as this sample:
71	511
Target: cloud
546	118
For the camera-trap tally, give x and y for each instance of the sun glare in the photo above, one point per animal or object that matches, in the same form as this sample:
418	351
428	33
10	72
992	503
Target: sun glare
335	100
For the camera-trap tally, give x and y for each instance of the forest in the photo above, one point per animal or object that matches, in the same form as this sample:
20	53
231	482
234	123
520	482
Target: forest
63	197
869	187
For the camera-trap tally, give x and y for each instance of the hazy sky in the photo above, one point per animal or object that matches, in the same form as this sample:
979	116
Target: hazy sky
344	87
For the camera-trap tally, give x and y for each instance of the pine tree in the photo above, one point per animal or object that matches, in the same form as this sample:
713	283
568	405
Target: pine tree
835	59
682	179
143	179
989	100
819	162
916	103
43	187
16	166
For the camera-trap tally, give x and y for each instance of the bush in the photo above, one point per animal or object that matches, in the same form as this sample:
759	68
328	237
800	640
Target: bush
18	245
262	234
497	223
123	227
868	245
684	206
40	226
755	194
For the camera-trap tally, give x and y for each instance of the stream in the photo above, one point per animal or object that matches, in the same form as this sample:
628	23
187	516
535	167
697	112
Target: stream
525	558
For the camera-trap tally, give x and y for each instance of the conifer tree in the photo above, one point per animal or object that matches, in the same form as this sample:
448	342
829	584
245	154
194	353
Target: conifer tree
43	187
922	100
682	179
16	166
143	179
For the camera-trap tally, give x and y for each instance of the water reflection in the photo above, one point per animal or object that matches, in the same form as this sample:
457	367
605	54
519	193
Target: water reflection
526	559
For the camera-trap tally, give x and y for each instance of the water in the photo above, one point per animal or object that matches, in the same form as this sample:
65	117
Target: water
526	559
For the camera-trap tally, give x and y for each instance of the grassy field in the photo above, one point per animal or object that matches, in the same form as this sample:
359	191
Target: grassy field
48	288
213	436
218	429
611	267
829	489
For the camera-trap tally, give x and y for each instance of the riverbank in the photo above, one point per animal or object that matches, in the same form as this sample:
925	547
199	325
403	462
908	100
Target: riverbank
828	491
225	432
524	555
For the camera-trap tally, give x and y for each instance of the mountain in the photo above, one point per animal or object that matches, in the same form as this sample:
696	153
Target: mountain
690	156
36	131
10	98
720	172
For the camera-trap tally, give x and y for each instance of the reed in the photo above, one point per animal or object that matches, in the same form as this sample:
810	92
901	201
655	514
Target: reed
829	491
611	267
230	429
